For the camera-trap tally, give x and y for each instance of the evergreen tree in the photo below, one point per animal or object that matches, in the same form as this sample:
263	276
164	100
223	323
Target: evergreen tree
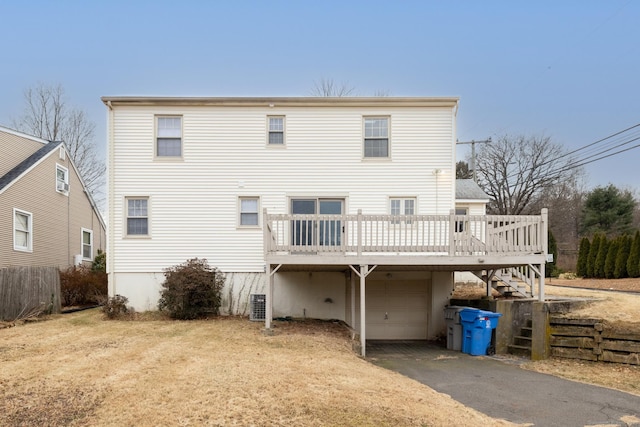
620	271
608	210
610	258
593	254
551	268
633	262
583	257
601	257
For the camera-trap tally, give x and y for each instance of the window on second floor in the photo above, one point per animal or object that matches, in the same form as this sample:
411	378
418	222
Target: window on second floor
403	206
169	136
22	231
276	130
87	244
376	137
249	211
137	216
62	179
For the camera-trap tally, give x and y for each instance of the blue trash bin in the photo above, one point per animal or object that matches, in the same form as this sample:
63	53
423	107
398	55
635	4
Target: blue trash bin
477	329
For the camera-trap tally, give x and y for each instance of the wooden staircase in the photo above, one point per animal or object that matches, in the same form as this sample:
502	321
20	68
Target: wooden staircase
512	281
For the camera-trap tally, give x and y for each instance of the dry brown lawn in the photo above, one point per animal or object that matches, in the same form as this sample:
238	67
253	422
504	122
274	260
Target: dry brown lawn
78	369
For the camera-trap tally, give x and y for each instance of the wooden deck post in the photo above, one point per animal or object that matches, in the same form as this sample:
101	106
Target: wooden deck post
359	228
364	270
452	226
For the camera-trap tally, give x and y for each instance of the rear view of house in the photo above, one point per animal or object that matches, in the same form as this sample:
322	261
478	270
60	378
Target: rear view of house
334	208
47	217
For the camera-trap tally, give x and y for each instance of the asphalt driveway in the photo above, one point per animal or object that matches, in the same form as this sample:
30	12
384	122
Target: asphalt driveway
498	387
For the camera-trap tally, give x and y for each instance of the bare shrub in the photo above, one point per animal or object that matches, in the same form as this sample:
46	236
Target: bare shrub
80	285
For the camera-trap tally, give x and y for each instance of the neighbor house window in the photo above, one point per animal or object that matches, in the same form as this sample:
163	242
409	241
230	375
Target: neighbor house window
403	206
276	130
62	179
249	211
376	137
460	225
169	136
87	244
137	216
22	231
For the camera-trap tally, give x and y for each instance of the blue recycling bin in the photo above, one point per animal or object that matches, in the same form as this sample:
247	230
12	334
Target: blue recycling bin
477	328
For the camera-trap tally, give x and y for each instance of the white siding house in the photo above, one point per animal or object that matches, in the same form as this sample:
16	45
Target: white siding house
297	198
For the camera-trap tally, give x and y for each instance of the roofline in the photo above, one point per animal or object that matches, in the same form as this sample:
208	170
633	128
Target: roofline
23	135
284	101
473	200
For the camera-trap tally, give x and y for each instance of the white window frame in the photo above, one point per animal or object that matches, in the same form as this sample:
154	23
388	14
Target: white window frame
82	244
241	212
403	206
127	217
159	135
461	226
366	138
272	131
62	186
29	231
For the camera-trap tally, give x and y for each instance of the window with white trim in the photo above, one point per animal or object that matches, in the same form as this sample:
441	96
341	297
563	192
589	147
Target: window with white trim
249	211
87	244
137	216
376	137
402	206
22	230
276	130
62	179
169	136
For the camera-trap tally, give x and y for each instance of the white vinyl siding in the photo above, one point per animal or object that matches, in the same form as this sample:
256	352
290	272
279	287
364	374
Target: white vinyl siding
195	203
22	230
169	136
87	244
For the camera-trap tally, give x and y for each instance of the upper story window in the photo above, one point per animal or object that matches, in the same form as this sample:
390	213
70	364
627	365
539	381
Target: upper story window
22	230
137	216
169	136
276	130
87	244
403	206
376	137
249	210
62	179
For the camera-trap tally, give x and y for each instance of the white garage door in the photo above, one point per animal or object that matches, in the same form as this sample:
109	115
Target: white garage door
396	310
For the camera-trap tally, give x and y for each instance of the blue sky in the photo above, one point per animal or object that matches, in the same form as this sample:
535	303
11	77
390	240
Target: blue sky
569	70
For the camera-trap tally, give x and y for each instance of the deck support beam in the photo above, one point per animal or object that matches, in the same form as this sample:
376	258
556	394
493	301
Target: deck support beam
363	272
271	271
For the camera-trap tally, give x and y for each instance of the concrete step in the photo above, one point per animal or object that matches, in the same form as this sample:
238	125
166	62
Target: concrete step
522	340
519	350
526	331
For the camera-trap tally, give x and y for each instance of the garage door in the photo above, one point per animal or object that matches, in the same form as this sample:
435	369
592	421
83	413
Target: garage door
396	310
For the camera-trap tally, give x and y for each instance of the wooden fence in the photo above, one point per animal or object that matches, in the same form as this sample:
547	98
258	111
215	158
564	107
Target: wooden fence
592	339
25	290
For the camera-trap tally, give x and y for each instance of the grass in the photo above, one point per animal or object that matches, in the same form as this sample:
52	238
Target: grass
78	369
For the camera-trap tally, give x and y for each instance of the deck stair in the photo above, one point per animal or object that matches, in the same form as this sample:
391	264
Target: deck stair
522	343
510	282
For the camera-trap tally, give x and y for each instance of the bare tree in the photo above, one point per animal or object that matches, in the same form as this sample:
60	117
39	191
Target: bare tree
329	88
516	171
46	115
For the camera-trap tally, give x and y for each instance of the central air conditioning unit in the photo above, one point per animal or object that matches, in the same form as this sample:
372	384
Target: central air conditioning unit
258	307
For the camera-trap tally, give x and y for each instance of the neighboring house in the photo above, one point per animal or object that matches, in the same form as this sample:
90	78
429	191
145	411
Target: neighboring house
47	216
334	208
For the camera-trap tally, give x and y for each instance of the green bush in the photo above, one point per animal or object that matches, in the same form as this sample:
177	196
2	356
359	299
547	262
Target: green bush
624	248
191	290
633	262
116	307
610	259
593	254
583	257
552	269
99	262
601	257
80	286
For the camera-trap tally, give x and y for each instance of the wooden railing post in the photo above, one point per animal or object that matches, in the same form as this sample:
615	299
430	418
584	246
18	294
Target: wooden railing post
452	224
266	235
359	227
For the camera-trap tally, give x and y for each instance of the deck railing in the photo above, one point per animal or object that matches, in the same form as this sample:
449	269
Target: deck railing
410	234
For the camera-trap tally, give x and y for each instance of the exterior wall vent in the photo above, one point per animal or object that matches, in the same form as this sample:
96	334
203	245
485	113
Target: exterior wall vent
258	307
